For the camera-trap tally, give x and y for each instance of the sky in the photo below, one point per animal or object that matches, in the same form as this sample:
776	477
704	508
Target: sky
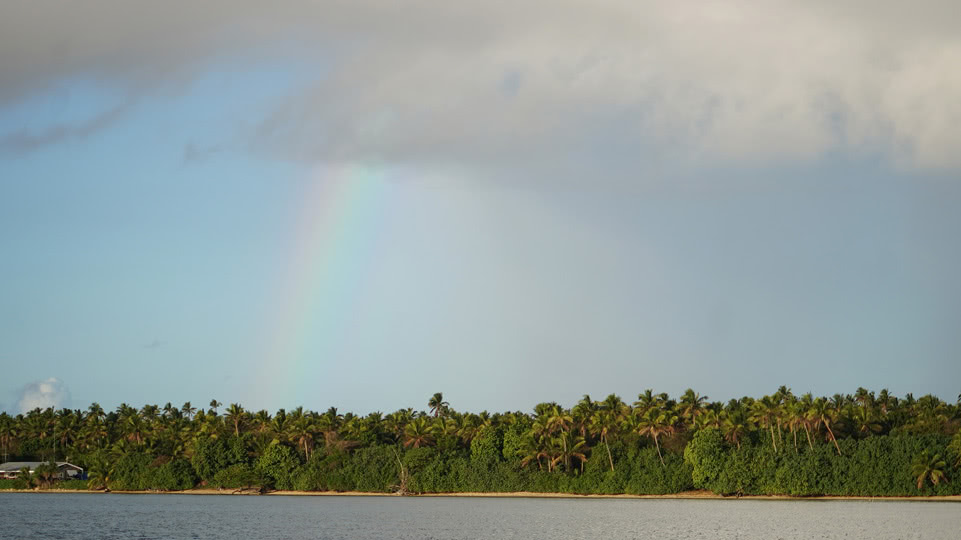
358	204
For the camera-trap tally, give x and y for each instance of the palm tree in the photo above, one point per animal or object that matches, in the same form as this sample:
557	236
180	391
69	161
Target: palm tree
236	414
302	432
571	448
214	404
7	432
865	421
821	415
928	466
692	405
188	410
884	401
135	428
531	450
582	413
804	406
559	419
604	423
863	397
437	404
734	427
648	400
418	433
100	469
654	424
793	417
767	412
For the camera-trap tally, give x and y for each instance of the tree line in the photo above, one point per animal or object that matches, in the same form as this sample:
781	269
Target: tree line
864	443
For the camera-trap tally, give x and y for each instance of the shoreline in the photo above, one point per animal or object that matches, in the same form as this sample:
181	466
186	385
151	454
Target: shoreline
685	495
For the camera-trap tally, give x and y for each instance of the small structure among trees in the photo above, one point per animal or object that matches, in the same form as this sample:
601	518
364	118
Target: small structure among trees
64	470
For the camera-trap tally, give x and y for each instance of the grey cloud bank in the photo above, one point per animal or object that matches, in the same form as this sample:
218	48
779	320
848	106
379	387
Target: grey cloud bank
539	86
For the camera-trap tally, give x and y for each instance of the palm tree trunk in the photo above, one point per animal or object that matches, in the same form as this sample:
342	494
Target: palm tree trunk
609	458
658	446
794	432
773	441
835	441
808	431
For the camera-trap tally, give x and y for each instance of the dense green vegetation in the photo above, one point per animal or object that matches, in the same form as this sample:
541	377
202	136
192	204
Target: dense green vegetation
861	444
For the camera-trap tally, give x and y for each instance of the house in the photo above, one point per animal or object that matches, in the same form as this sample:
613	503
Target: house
65	471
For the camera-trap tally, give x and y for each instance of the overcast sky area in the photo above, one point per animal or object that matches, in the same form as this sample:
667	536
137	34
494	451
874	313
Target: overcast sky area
358	204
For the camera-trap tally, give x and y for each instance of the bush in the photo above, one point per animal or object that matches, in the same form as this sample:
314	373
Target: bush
78	485
12	483
239	476
276	466
175	475
875	466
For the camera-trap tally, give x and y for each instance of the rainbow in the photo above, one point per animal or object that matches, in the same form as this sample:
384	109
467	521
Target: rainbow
330	255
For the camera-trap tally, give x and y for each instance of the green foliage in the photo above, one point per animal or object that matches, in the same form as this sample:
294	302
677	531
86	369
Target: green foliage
706	456
486	449
276	466
512	444
130	472
861	444
237	476
78	485
12	483
139	471
874	466
175	475
650	476
209	457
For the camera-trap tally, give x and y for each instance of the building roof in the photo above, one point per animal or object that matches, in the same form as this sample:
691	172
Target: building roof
15	466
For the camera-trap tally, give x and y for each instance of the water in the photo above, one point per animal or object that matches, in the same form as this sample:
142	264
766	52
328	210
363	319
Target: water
116	516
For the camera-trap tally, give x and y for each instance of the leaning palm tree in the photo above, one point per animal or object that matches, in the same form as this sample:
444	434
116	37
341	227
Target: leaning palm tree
604	424
766	412
820	414
654	424
928	466
437	404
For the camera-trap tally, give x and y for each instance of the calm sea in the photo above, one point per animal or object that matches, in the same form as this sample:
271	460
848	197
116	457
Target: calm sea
127	517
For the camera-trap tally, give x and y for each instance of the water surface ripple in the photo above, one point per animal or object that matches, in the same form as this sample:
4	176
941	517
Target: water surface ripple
126	517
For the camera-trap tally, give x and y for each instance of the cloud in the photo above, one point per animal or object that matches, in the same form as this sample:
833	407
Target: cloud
25	141
545	86
51	392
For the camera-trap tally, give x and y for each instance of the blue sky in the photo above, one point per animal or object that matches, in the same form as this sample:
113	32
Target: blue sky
305	205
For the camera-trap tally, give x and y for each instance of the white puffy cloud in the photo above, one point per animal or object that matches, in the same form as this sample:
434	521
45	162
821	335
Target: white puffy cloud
51	392
557	84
